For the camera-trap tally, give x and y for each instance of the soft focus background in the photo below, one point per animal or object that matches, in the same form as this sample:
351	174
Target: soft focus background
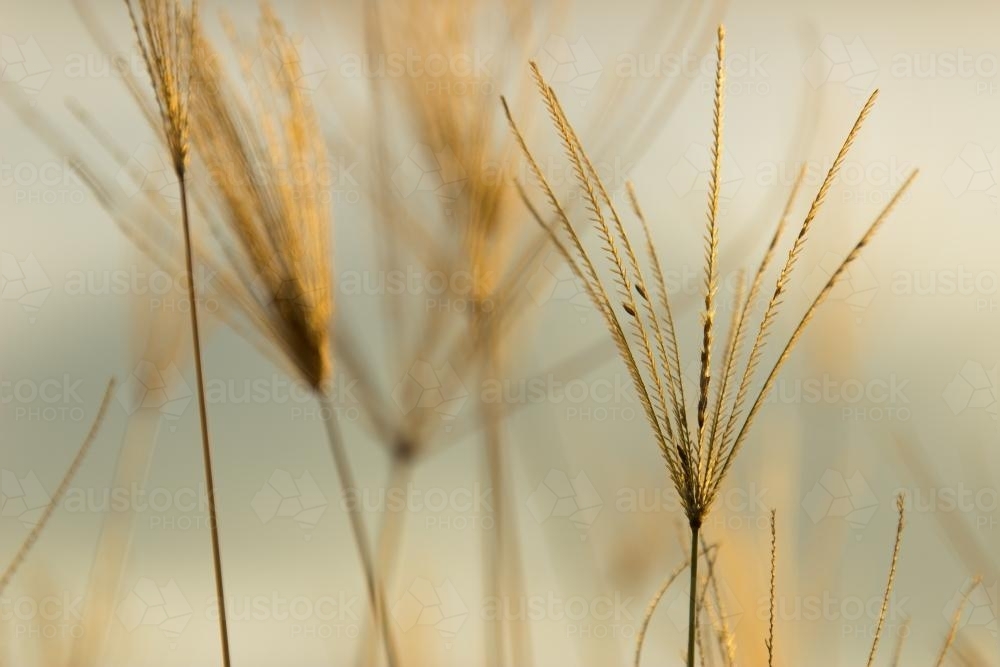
893	388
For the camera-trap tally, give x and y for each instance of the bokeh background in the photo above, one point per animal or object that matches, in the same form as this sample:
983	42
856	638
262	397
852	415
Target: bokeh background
893	388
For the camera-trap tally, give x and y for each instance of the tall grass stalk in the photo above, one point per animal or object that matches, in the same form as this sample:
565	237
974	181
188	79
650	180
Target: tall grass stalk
698	451
206	447
693	594
349	487
166	31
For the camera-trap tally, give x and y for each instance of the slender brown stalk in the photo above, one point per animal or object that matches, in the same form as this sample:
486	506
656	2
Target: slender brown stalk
166	31
900	506
206	447
772	591
693	606
29	542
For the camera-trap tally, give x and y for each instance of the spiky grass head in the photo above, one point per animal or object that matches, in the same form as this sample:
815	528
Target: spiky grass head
265	155
165	30
698	452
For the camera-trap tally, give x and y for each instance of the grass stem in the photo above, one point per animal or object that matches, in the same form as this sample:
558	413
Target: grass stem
348	487
203	418
693	607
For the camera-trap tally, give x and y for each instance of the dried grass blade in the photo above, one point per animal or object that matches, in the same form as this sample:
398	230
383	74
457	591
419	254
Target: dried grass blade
900	508
56	498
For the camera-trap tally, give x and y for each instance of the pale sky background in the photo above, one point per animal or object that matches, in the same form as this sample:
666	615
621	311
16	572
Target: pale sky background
907	349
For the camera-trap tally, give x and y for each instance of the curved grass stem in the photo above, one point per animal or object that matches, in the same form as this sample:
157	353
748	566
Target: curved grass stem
348	486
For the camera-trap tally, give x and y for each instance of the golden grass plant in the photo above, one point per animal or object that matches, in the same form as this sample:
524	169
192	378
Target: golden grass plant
167	33
698	442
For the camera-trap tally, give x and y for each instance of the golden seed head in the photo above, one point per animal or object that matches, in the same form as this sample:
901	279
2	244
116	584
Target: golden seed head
266	157
699	452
